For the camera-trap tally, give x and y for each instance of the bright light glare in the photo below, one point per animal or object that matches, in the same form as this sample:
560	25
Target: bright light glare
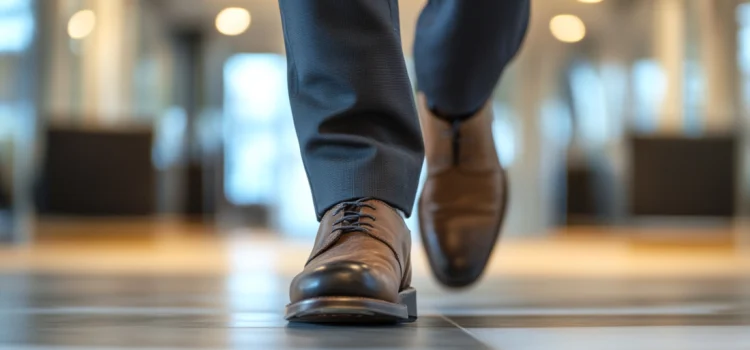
567	28
81	24
233	21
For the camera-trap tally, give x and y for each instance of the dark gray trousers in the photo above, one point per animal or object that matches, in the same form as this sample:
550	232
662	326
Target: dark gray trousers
352	102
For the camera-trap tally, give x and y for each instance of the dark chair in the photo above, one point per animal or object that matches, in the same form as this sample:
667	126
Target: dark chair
683	176
98	173
4	191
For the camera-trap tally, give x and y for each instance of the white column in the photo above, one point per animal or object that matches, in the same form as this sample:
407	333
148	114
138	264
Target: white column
534	75
669	47
718	54
57	65
107	63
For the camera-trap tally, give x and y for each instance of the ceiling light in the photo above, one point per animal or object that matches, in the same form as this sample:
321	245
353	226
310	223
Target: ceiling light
233	21
567	28
81	24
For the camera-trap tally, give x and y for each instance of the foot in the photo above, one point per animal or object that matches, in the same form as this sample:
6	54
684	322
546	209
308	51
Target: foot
463	201
359	269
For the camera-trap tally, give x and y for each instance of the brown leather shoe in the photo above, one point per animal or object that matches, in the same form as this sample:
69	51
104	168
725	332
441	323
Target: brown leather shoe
359	269
463	201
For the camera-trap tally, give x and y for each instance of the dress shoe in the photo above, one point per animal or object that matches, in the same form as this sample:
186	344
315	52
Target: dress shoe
463	201
359	269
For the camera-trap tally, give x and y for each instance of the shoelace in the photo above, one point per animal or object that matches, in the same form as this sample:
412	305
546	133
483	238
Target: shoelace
352	219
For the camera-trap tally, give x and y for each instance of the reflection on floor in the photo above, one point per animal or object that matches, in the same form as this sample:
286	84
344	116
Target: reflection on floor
164	285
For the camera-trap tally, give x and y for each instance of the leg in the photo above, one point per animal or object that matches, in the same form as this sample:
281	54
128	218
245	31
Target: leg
462	47
361	143
352	101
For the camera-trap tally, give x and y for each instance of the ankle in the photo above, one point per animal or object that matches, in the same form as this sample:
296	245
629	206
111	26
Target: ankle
389	205
452	116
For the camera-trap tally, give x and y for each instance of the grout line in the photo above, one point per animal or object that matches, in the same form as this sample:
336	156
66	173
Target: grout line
466	331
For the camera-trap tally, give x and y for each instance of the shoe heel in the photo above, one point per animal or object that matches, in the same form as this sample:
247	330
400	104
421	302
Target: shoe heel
408	297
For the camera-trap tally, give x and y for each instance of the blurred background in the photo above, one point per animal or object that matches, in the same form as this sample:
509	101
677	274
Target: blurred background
152	192
616	112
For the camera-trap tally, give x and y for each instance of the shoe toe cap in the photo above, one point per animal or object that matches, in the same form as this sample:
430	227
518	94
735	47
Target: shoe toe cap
460	247
341	278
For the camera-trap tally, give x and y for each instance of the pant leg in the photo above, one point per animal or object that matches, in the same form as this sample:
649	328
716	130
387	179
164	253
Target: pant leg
352	101
462	47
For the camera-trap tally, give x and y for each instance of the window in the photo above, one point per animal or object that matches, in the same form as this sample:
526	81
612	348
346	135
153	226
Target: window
16	25
263	165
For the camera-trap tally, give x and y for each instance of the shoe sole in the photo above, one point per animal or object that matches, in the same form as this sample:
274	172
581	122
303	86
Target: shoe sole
354	310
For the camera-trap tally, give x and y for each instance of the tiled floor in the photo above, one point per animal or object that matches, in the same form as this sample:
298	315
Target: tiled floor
111	285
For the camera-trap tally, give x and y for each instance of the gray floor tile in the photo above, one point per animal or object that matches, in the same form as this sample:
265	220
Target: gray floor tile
222	332
618	338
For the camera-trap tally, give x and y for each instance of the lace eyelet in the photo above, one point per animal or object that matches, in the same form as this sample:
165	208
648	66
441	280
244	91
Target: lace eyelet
351	221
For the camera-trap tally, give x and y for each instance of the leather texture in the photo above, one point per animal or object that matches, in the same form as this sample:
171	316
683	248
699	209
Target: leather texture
463	200
373	263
